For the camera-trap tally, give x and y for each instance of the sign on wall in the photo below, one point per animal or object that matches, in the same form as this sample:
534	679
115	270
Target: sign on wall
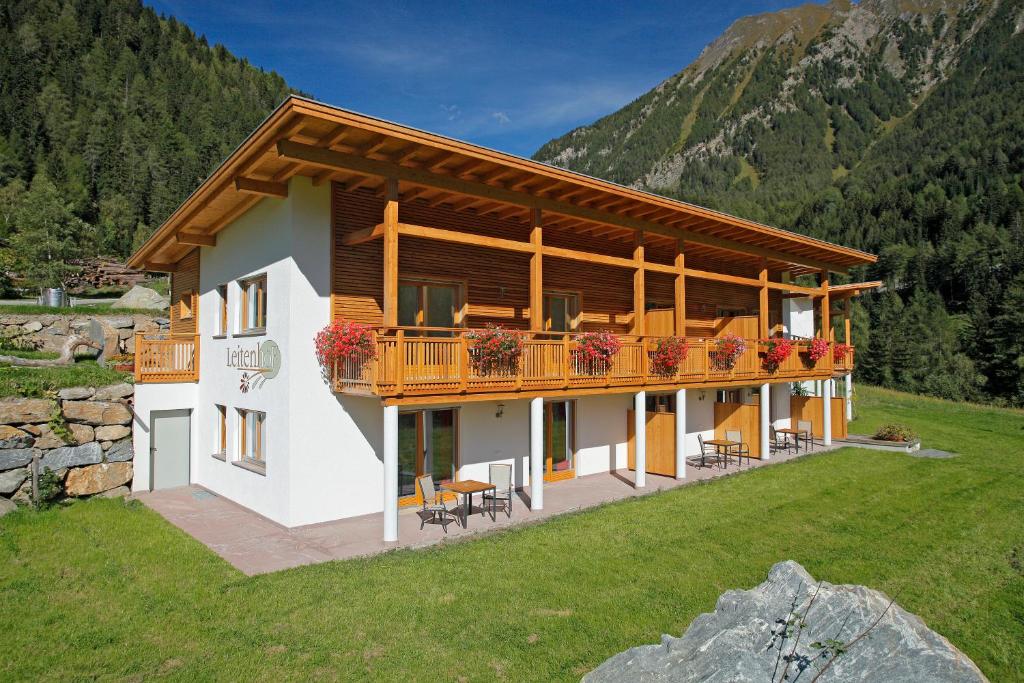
258	363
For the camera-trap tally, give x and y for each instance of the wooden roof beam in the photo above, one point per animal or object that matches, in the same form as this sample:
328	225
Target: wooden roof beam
159	267
264	188
332	159
195	239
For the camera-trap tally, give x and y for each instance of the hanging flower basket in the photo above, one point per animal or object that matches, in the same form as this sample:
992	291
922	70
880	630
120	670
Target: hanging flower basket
594	352
839	352
345	342
818	350
668	354
495	350
727	351
776	354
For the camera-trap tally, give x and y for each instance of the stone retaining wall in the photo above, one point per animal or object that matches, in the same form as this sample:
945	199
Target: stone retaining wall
84	436
48	332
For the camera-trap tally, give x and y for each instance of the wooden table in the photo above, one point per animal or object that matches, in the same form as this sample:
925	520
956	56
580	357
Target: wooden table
794	432
466	488
719	444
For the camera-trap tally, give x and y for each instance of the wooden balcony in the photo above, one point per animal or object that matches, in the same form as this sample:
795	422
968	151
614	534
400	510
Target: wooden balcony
422	366
165	358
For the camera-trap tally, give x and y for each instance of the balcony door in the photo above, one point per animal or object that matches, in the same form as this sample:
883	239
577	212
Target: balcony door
427	444
431	304
560	311
559	446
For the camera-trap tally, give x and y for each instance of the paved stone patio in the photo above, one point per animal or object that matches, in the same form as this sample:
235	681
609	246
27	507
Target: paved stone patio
256	545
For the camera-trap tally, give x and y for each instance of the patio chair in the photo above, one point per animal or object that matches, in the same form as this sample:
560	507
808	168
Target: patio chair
808	435
434	505
501	476
708	454
779	442
741	450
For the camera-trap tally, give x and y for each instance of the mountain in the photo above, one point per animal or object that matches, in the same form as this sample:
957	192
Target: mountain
895	126
110	115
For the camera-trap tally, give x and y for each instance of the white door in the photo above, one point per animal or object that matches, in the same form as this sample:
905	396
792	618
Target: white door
169	448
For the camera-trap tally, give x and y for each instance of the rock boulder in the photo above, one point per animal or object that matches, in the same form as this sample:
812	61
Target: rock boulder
7	506
742	639
114	392
140	297
112	432
12	437
86	481
76	393
11	458
121	451
11	480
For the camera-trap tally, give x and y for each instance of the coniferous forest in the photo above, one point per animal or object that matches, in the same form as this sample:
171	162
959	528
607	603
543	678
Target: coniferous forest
894	131
891	126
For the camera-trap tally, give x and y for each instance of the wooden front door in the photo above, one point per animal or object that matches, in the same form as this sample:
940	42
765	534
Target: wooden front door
427	444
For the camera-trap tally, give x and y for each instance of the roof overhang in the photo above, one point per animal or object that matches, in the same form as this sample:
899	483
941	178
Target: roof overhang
328	144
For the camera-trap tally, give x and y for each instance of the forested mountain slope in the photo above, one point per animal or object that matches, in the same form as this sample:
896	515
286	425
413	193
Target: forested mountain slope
895	126
110	116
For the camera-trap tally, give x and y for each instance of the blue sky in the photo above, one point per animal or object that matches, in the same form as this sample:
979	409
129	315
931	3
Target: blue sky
507	75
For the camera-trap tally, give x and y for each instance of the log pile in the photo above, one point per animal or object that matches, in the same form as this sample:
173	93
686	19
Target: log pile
99	272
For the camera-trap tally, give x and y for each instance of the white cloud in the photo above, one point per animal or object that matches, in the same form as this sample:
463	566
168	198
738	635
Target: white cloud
501	117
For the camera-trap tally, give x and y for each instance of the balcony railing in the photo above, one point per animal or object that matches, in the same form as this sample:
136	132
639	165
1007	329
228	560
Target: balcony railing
411	362
166	358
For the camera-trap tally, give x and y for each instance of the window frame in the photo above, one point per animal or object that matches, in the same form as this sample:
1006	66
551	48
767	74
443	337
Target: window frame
244	304
186	305
221	431
423	283
259	460
573	309
223	320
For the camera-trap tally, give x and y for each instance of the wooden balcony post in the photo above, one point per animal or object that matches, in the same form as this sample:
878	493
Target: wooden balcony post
139	355
566	360
391	254
536	272
463	362
762	313
707	359
400	361
639	296
680	290
846	321
826	305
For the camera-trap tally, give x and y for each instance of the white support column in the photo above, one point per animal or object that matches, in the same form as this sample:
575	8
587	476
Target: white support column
640	438
826	411
765	401
536	454
390	474
681	434
849	397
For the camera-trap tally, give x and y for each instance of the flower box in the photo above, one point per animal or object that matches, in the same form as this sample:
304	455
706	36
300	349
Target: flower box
594	352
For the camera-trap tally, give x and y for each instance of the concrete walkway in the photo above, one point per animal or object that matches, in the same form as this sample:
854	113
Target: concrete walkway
255	545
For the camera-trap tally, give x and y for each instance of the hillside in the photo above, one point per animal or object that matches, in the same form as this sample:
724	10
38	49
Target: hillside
895	126
110	115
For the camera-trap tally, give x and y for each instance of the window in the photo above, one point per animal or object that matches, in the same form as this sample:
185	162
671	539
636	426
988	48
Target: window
253	308
561	311
220	447
250	437
185	305
430	304
222	310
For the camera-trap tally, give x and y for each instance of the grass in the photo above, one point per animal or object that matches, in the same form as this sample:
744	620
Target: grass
39	382
98	309
101	589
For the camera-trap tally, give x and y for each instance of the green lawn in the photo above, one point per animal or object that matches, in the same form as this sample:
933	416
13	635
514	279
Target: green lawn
38	382
104	590
83	310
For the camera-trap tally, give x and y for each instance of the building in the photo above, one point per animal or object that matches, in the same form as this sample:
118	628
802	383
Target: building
323	214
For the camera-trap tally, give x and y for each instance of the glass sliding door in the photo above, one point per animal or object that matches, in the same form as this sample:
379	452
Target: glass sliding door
559	312
559	428
427	444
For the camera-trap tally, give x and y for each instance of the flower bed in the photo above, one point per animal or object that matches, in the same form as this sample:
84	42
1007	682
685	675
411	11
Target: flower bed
727	351
776	354
344	341
495	350
594	352
668	354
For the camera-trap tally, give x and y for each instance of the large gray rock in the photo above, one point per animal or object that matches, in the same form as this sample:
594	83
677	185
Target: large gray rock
11	480
12	437
7	506
121	451
73	456
140	297
76	393
11	458
742	639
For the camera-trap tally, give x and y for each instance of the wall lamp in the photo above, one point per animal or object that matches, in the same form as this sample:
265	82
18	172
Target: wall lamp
500	411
